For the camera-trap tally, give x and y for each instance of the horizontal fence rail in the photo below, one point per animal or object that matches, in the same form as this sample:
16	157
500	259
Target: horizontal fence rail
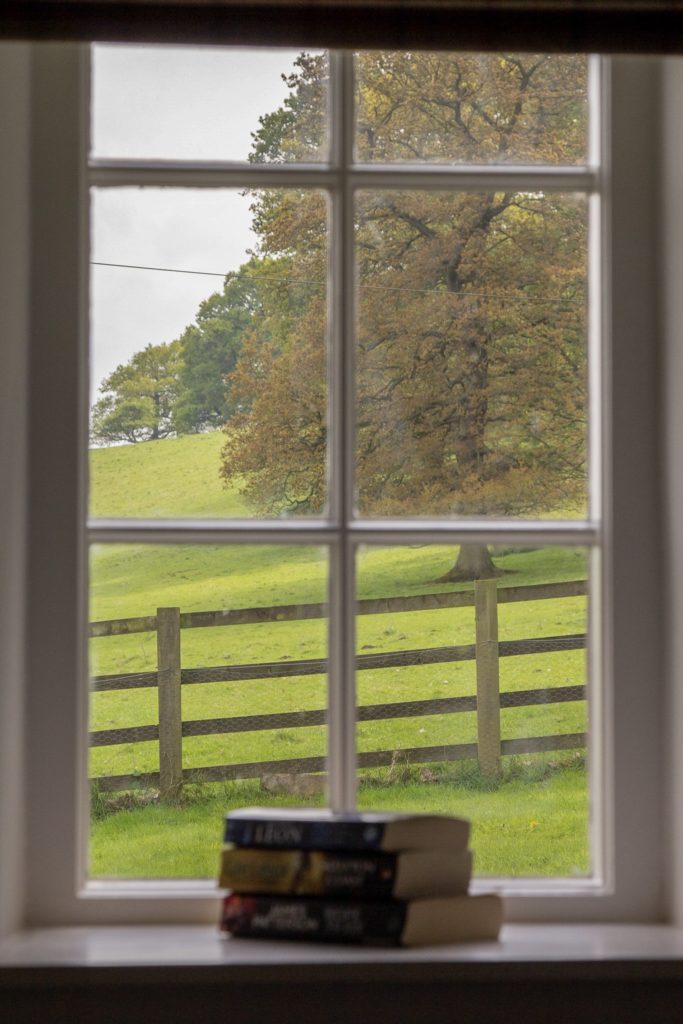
318	666
369	759
366	713
487	702
381	606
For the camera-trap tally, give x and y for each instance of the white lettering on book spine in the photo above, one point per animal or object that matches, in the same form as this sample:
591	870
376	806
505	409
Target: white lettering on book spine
341	920
276	833
286	918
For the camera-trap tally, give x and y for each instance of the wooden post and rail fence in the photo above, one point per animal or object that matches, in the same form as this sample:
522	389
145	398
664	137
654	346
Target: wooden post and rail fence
170	677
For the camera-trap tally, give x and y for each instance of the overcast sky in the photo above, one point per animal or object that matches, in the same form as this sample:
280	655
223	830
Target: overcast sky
169	102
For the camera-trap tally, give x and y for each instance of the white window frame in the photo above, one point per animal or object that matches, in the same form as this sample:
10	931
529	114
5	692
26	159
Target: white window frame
629	799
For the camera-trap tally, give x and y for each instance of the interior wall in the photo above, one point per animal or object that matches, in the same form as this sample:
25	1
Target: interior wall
635	631
14	317
14	314
672	416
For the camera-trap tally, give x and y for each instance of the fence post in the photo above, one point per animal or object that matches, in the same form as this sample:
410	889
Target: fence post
488	688
170	715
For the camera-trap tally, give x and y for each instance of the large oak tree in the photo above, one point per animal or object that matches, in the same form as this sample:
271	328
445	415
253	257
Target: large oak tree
472	305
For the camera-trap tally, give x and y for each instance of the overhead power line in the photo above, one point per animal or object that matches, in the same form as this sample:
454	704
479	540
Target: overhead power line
164	270
464	296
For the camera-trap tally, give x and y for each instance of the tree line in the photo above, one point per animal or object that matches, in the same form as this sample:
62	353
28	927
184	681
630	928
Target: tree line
182	386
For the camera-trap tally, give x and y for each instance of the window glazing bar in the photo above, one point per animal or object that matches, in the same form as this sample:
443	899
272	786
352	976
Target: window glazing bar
477	532
186	174
341	390
178	531
599	276
174	531
600	607
167	174
475	178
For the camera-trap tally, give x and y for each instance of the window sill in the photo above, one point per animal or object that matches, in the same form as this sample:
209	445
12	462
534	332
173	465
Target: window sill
569	972
194	951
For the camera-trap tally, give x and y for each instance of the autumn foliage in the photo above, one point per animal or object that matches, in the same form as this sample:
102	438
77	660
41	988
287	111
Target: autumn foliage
471	345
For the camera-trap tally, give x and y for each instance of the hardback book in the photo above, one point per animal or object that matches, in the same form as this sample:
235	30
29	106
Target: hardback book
313	829
374	874
377	922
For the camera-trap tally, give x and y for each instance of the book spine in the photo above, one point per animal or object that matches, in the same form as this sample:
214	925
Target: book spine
280	917
304	835
308	872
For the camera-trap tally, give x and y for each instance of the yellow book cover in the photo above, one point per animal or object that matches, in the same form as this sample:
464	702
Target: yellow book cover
405	875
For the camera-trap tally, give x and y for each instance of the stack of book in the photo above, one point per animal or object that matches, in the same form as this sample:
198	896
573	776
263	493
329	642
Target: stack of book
387	879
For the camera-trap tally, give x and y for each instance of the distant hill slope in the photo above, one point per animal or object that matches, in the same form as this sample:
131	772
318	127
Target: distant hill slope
178	477
175	477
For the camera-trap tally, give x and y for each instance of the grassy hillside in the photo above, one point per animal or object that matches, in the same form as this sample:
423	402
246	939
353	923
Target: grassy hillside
174	477
180	478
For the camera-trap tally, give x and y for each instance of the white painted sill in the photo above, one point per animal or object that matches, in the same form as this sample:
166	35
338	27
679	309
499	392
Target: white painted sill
586	951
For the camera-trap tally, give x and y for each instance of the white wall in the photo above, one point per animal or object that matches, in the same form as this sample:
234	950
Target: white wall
14	331
14	316
672	422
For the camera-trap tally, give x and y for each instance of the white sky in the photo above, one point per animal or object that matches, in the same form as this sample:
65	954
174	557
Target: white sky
169	102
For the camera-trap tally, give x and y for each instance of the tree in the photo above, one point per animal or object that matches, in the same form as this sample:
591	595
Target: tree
210	348
471	353
137	398
296	130
278	386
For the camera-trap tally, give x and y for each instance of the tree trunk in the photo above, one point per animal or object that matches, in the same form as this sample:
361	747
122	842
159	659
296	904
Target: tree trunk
473	563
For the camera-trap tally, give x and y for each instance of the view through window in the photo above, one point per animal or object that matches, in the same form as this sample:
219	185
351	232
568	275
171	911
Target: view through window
343	481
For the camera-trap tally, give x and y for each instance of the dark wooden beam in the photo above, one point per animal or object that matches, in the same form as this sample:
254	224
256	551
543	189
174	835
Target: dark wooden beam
609	26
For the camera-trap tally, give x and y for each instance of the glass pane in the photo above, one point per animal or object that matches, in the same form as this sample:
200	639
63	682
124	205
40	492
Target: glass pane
477	108
226	645
472	354
479	710
208	353
209	103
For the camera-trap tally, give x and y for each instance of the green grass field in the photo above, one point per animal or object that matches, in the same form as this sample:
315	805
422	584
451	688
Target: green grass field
535	821
533	824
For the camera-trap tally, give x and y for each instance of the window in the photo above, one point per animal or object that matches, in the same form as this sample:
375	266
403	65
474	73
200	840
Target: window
341	532
464	362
